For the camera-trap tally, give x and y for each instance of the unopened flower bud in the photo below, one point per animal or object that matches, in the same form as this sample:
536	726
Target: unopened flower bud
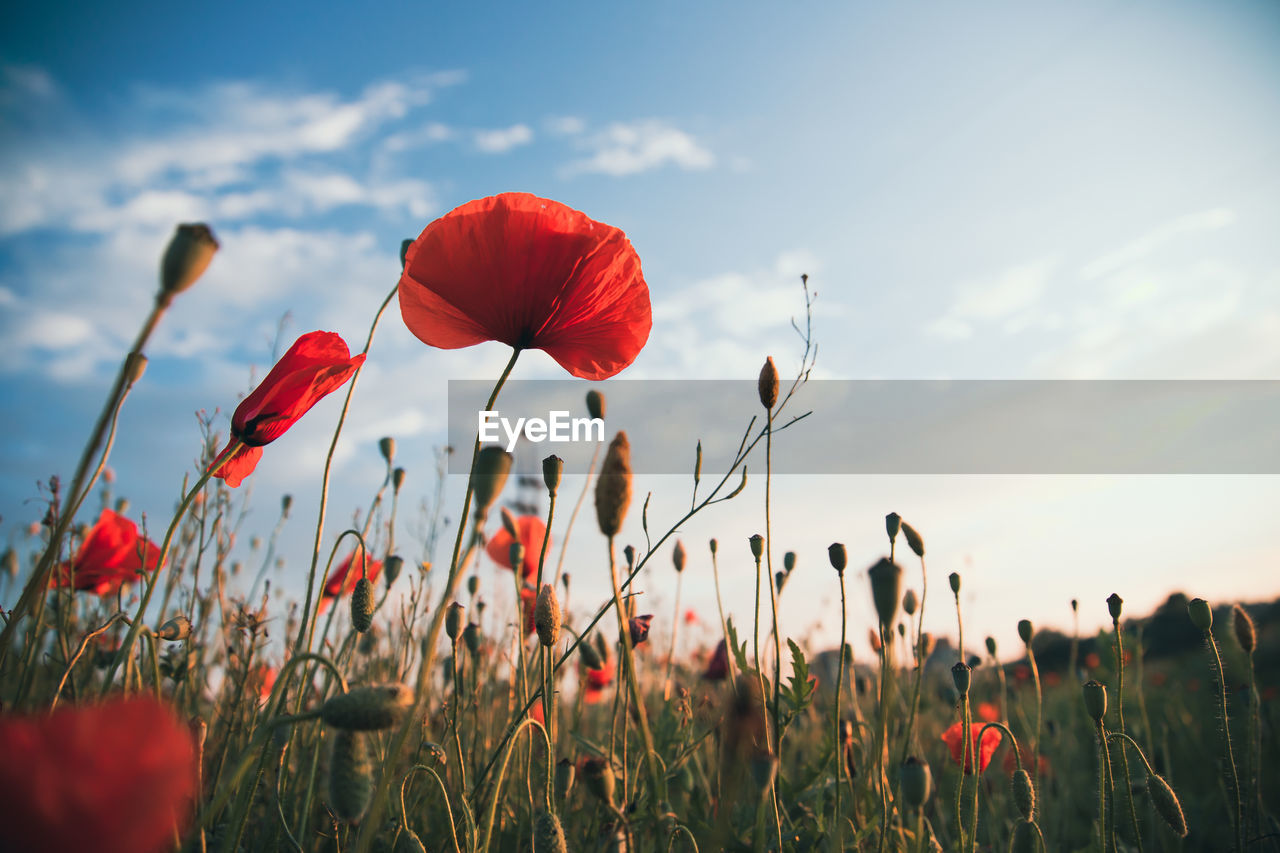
961	674
286	504
629	554
350	776
387	447
453	616
492	466
597	775
954	580
185	259
991	646
177	628
1095	700
757	545
397	479
678	556
886	589
473	585
548	834
768	384
472	637
909	602
613	486
1167	805
1114	605
1246	636
789	561
914	541
1075	605
1024	793
779	578
362	605
564	778
595	404
838	556
135	364
367	709
1025	631
552	471
1201	614
712	545
916	782
546	616
516	553
591	658
391	568
892	524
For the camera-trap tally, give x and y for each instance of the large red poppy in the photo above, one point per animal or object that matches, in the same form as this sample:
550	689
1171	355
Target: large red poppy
112	555
954	739
343	579
531	530
112	778
531	273
317	364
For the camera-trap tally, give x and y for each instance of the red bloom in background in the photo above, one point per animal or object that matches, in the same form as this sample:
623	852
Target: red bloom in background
596	682
639	626
528	603
988	713
718	666
112	555
317	364
1010	762
343	579
533	274
531	530
112	778
690	617
954	739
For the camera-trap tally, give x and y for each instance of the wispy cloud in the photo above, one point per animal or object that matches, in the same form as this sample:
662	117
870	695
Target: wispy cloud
504	139
1137	250
627	148
991	299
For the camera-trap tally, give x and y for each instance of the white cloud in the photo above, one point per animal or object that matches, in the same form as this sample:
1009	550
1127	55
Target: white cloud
1208	220
502	140
1007	296
627	148
565	125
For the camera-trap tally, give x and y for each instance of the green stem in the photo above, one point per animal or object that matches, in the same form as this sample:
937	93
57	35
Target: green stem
835	714
1226	738
1124	758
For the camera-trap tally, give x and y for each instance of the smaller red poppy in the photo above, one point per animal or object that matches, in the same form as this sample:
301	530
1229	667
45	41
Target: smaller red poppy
718	666
954	739
532	530
691	617
317	364
343	579
640	629
112	555
596	682
988	712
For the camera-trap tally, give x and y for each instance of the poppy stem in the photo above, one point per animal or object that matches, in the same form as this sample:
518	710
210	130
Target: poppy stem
838	743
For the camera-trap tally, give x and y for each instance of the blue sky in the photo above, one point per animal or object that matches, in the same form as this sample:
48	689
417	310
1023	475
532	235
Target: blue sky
1079	190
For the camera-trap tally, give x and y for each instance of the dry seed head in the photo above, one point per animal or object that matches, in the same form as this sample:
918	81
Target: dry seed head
595	404
185	258
552	471
369	708
1246	636
1201	614
838	556
362	605
1024	793
962	674
387	447
177	628
548	835
1114	605
910	602
1095	700
914	541
1025	631
757	545
453	617
678	556
892	525
546	616
1167	805
916	782
613	487
768	384
886	589
493	464
350	776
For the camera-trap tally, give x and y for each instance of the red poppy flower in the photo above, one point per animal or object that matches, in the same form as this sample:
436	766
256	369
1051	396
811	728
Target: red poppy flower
531	530
342	580
639	626
112	555
988	712
528	604
954	739
718	666
690	617
112	778
317	364
531	273
596	682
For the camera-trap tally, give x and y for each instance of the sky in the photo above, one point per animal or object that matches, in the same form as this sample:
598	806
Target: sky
986	191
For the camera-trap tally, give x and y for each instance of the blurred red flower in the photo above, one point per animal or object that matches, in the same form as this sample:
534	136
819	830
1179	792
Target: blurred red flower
988	713
1010	762
691	617
954	739
112	778
317	364
112	555
531	530
342	580
528	606
639	626
533	274
596	682
718	666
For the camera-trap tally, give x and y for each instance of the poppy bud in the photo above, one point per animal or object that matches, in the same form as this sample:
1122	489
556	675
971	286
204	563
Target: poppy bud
177	628
387	447
838	556
789	561
886	589
453	617
954	580
1025	630
404	250
367	709
639	629
391	568
564	579
778	579
991	646
397	478
286	503
1167	805
757	545
601	646
362	605
712	544
516	553
473	584
768	384
629	554
595	404
472	636
1095	700
1243	626
613	486
697	465
564	778
1114	604
597	775
916	782
677	556
914	542
185	259
135	364
409	842
509	522
1024	793
350	776
591	658
552	471
546	616
548	834
892	524
492	466
1201	614
909	602
961	674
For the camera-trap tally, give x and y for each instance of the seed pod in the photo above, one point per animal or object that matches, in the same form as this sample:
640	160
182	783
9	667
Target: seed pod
185	259
1024	793
910	602
591	658
1201	614
492	466
397	479
1095	700
962	674
914	541
177	628
789	561
473	584
552	471
546	616
892	524
1167	805
954	580
564	778
767	385
697	465
712	545
779	578
1025	631
597	775
286	504
453	617
391	568
350	776
678	556
387	447
548	835
1025	839
757	545
409	842
838	556
595	404
629	554
613	487
516	553
135	364
1246	636
362	605
472	637
367	709
916	782
1114	605
886	589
